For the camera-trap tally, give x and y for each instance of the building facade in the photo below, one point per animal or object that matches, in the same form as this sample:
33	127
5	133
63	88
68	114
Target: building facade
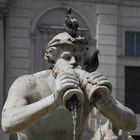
112	26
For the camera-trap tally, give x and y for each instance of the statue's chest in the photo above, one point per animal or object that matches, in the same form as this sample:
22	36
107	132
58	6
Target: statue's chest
43	89
58	120
56	125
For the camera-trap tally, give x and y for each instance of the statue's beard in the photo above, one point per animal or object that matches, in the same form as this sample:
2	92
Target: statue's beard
60	69
62	66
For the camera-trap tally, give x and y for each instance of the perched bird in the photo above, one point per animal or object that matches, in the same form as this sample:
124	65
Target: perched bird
92	62
68	12
71	23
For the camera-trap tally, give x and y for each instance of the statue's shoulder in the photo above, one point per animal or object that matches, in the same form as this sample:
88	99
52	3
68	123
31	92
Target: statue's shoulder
25	84
31	80
41	74
42	77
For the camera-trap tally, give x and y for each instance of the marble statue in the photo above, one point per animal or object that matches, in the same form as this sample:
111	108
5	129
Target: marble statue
109	132
38	106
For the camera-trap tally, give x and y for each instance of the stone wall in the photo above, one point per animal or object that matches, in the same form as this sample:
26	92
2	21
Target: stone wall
18	40
129	20
2	135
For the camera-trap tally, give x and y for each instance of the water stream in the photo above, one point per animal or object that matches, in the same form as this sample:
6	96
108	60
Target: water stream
74	116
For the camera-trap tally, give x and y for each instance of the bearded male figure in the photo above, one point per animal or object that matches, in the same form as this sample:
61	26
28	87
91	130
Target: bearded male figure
38	106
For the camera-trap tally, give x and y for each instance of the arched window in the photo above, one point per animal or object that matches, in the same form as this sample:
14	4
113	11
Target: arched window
50	24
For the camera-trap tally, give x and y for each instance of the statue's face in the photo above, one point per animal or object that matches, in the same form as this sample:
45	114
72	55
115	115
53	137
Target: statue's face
74	56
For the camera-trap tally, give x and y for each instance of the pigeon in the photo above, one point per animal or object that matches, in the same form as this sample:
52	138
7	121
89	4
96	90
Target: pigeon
92	62
68	12
71	23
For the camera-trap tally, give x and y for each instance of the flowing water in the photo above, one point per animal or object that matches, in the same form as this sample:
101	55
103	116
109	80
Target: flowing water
74	116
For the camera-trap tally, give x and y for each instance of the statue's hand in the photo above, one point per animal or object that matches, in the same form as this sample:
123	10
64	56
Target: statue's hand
99	79
97	87
64	82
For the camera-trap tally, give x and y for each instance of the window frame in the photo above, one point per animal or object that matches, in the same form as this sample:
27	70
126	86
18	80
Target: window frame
124	30
134	43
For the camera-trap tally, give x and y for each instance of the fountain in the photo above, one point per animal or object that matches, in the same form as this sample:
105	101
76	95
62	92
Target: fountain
55	103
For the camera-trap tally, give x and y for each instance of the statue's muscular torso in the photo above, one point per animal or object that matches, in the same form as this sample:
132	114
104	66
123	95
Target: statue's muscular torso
57	123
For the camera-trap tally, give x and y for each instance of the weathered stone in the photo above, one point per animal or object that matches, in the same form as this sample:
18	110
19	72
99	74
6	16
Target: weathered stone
40	106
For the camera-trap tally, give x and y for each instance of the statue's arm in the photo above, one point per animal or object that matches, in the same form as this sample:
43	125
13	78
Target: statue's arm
17	113
121	116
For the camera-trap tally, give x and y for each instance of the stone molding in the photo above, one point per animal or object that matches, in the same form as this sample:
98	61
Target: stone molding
131	3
